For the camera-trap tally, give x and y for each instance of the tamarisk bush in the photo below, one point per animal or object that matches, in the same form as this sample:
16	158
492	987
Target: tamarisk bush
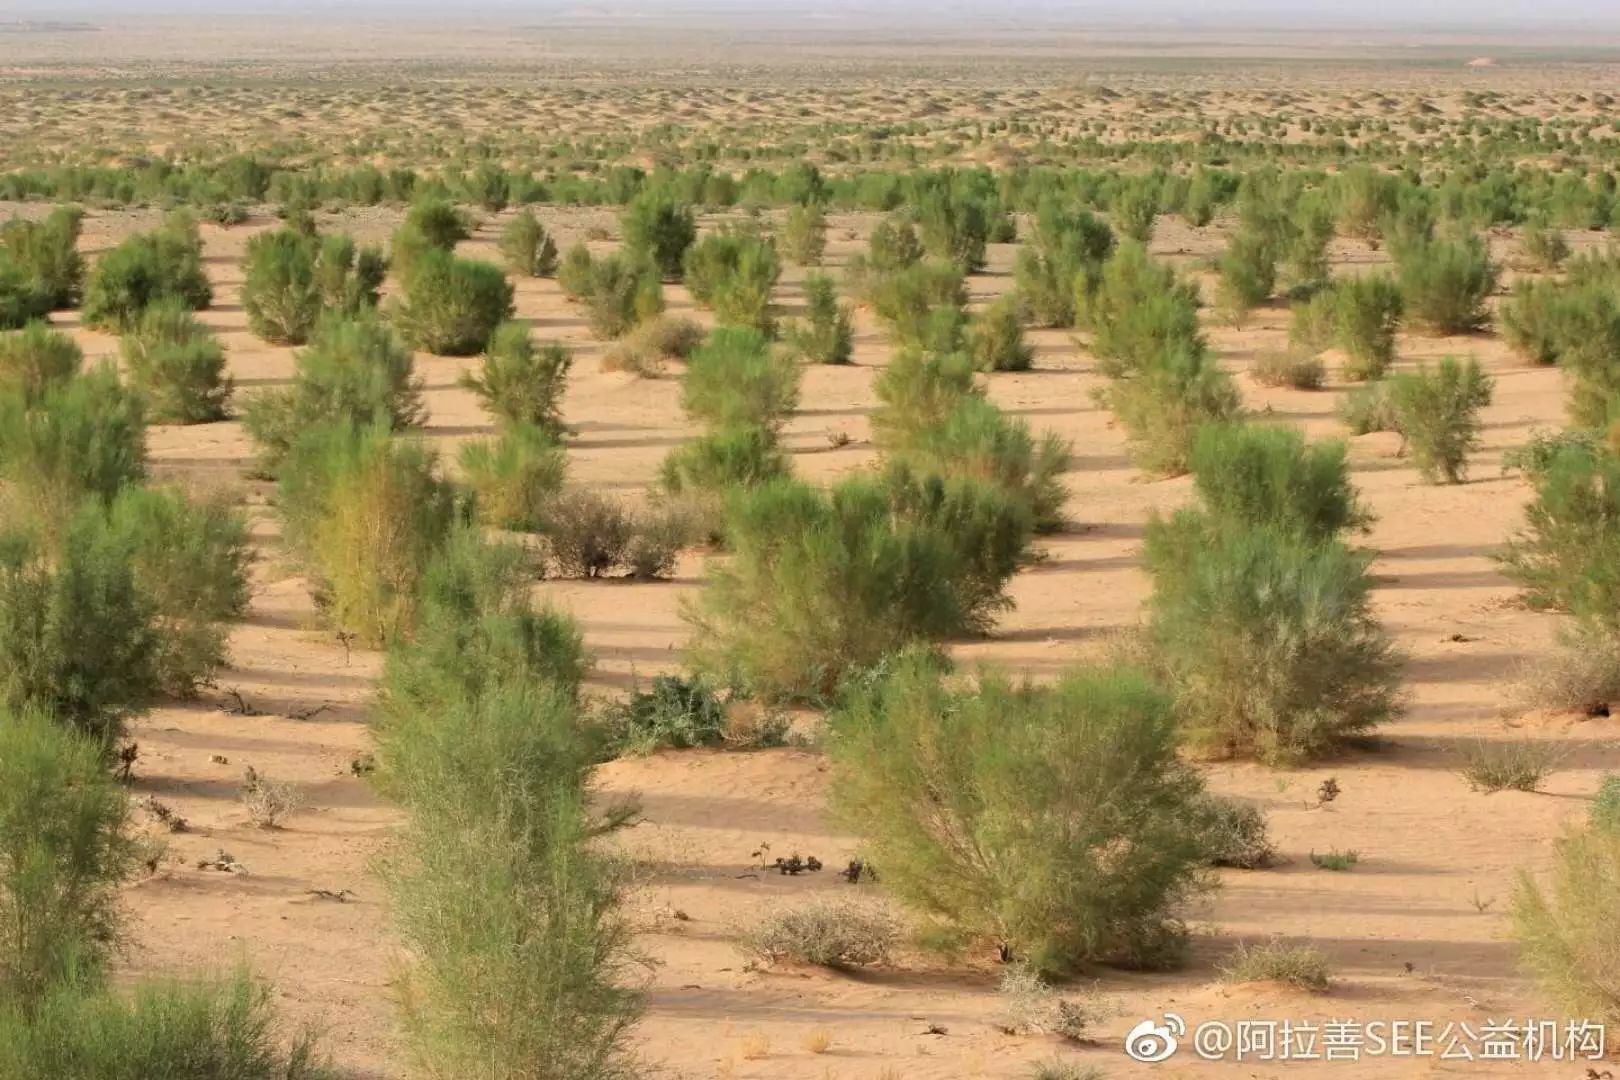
1564	926
1564	555
1437	414
176	366
36	359
1065	246
827	334
354	371
1444	284
521	382
451	306
280	292
1260	613
1136	309
518	950
823	582
514	477
430	225
1049	822
145	268
527	248
804	234
81	438
45	255
995	338
658	230
737	380
1168	401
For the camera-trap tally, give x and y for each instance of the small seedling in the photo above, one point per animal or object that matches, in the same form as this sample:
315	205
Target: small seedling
1335	860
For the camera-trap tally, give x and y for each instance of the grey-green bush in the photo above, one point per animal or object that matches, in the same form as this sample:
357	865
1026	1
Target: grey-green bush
527	248
521	382
658	230
142	270
35	359
451	306
1048	821
1444	284
514	477
177	366
1437	414
827	334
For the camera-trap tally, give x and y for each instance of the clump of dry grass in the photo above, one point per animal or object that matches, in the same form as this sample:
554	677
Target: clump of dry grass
1301	966
1030	1006
1503	765
826	933
268	802
1582	674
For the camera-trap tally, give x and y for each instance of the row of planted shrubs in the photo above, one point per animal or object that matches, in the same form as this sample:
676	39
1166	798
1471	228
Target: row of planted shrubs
112	593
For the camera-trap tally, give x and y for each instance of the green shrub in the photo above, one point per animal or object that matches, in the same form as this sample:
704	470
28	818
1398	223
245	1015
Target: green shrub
1065	246
514	478
142	270
1313	321
1234	834
1605	812
429	225
1335	861
1537	318
354	372
1137	310
658	230
916	392
518	953
1565	927
953	227
452	306
1437	413
737	380
1271	642
22	299
280	291
1368	408
1247	275
1544	248
36	359
46	253
1565	554
620	295
977	439
1268	476
83	438
76	632
804	234
176	366
995	339
365	513
676	712
719	460
350	278
574	272
527	248
909	300
64	850
521	383
190	559
827	336
1134	210
1367	310
1048	821
216	1031
1163	407
476	630
1444	284
1365	197
821	583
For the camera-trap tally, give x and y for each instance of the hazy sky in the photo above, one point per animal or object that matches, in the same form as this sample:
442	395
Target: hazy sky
1282	14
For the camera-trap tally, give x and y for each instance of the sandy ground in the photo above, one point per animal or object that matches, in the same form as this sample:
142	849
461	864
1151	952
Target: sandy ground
1416	931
